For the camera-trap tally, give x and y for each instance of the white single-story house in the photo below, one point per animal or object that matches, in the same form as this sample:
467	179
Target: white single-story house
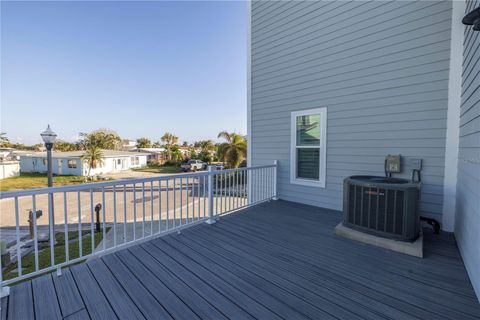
71	163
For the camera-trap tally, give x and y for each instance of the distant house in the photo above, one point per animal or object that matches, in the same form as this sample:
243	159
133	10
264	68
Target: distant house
128	145
187	151
184	150
155	155
70	163
5	153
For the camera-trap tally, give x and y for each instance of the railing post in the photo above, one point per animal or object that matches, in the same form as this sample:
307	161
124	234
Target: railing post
4	290
275	163
211	219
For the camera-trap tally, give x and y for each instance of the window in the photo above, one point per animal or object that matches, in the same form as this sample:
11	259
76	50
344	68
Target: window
308	147
135	161
72	164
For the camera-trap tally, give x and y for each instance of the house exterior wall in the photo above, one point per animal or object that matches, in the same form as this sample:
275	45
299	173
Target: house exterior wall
155	158
380	68
109	165
60	165
9	169
467	220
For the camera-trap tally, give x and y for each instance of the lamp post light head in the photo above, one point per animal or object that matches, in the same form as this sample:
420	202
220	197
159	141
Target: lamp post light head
49	137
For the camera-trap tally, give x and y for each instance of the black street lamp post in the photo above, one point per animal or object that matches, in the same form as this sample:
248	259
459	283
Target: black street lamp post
49	138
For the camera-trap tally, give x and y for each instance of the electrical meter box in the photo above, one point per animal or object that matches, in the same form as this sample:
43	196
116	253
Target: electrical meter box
392	164
416	164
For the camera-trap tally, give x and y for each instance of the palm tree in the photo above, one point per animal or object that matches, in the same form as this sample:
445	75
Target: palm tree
94	157
101	138
169	141
176	155
234	150
144	143
3	139
206	147
61	145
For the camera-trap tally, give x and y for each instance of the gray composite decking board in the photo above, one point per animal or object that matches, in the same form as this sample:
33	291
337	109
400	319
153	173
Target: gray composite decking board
276	292
396	267
297	299
96	304
20	301
351	284
171	302
148	305
357	294
304	301
259	279
270	271
324	234
467	305
120	301
202	288
249	304
350	281
324	253
357	263
46	303
278	257
271	300
79	315
68	296
195	301
393	267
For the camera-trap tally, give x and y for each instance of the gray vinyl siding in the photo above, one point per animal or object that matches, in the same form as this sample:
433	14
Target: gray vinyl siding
381	68
468	181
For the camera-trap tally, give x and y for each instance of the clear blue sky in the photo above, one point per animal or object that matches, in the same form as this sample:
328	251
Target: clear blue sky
139	68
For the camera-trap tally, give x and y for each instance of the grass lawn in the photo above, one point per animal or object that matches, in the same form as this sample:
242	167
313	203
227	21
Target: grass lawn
36	180
160	169
28	261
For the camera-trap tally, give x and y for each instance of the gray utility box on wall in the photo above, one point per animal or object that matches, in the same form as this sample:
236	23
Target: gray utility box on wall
382	206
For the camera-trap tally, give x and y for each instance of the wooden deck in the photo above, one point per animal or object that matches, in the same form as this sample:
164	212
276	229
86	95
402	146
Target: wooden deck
277	260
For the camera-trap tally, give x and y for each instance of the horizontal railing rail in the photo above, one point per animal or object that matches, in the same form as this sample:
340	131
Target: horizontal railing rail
99	185
49	228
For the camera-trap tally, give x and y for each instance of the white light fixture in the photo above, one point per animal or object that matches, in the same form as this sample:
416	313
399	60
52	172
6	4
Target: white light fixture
49	136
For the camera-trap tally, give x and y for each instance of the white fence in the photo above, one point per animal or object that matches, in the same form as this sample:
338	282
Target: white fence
9	169
96	218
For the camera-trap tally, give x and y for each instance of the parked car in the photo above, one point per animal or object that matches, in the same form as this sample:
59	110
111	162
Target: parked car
193	165
218	166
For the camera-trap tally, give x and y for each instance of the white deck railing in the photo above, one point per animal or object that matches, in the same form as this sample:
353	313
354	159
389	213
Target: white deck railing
132	211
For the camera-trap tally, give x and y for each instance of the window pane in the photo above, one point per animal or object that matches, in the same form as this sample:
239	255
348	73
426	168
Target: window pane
308	163
308	130
72	164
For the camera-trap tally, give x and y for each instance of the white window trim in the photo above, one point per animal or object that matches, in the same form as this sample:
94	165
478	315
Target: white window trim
72	166
323	148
